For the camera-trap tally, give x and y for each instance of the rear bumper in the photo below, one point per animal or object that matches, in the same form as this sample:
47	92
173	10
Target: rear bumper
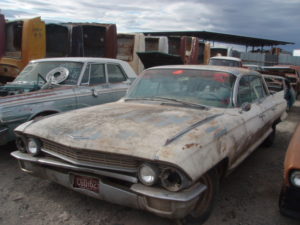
111	189
289	202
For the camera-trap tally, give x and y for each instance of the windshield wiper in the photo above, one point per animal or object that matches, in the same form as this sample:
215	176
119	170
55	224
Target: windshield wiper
182	102
158	98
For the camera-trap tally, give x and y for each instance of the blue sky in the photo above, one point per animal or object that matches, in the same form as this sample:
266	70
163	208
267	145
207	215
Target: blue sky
270	19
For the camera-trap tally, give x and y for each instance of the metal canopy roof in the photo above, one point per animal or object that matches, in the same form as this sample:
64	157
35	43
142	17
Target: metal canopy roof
219	37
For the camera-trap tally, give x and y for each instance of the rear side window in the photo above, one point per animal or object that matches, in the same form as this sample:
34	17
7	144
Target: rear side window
115	73
94	74
251	89
244	92
257	87
97	74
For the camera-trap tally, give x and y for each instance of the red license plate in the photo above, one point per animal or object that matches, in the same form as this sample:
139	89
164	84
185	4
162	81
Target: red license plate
87	183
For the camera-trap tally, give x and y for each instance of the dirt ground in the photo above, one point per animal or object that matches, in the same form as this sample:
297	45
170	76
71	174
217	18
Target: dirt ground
249	196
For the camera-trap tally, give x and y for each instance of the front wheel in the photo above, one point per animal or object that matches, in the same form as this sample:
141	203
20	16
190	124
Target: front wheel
206	201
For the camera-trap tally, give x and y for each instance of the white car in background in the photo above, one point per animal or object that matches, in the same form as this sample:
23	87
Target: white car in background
225	61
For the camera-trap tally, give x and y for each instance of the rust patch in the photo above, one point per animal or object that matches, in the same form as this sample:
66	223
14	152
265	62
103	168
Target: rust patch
187	146
213	123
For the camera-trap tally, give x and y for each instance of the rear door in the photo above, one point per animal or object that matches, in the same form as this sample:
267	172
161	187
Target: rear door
118	81
265	102
253	121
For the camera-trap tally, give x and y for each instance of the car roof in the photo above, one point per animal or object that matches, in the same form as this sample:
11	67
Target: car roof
78	59
237	71
128	69
227	58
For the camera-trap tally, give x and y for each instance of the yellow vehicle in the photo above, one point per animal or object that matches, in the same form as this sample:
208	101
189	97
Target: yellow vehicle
25	40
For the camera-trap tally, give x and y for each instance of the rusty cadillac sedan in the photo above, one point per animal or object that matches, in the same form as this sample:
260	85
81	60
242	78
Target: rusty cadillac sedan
65	84
289	201
163	147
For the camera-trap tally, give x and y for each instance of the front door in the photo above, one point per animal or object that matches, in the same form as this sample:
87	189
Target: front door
93	84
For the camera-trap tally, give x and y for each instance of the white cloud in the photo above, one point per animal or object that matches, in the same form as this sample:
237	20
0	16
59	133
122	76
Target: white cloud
271	19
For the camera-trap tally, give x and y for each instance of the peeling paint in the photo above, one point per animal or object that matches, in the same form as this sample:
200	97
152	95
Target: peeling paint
211	129
125	134
220	132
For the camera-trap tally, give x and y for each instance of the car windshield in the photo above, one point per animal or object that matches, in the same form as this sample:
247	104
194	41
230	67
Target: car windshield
224	62
204	87
31	72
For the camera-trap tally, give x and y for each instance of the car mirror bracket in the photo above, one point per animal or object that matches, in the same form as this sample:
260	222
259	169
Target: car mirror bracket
245	107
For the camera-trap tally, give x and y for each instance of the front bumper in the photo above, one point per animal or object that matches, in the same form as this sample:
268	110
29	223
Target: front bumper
289	202
156	200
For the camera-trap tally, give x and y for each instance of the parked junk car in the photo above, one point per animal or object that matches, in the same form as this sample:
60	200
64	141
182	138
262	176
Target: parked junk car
224	51
2	35
292	73
289	201
128	46
225	61
162	148
177	50
29	39
81	40
252	67
282	87
70	83
24	41
93	39
58	40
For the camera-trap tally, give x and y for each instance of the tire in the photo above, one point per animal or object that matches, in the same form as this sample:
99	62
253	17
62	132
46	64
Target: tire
205	204
270	139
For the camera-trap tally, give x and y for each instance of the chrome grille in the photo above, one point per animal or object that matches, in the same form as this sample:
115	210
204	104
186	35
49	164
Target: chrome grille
89	156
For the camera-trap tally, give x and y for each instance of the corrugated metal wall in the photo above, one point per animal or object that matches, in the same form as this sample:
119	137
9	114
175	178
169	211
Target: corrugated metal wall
266	59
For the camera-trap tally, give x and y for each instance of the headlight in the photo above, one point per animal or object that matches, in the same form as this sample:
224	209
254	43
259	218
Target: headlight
33	146
295	178
148	174
21	144
171	179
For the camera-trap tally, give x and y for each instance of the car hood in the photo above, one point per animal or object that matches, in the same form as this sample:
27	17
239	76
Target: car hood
29	97
149	131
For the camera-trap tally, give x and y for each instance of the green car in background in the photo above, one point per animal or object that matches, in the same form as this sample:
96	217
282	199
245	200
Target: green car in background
64	84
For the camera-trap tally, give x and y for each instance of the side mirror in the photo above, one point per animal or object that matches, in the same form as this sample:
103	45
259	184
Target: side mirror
245	107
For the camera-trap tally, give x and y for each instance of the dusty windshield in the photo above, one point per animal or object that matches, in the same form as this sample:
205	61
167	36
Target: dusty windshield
31	71
205	87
